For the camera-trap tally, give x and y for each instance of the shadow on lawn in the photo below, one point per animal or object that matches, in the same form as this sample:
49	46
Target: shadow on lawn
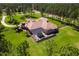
22	49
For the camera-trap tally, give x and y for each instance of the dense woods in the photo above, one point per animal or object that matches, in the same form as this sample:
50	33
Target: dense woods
69	11
63	10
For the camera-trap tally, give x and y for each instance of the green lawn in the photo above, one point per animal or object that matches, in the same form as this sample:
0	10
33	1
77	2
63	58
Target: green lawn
14	38
56	22
22	17
65	36
16	17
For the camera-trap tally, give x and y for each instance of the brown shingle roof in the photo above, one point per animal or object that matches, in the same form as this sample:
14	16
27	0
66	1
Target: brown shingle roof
42	23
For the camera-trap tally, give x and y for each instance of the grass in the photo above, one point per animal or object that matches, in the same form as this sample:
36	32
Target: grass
56	22
14	38
18	38
33	15
22	17
65	36
16	17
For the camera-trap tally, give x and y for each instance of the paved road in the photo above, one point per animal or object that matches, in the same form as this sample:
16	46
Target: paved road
6	25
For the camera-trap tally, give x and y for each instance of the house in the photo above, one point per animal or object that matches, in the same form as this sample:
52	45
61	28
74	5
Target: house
40	29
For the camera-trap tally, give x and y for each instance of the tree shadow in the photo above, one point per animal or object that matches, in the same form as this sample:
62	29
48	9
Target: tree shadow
22	49
5	47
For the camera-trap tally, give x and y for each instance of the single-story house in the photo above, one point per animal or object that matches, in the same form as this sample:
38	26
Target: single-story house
40	29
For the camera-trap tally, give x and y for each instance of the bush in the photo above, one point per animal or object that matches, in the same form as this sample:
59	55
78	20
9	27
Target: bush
13	21
23	17
18	30
28	34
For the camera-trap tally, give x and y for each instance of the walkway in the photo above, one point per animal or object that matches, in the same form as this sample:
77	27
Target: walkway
6	25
